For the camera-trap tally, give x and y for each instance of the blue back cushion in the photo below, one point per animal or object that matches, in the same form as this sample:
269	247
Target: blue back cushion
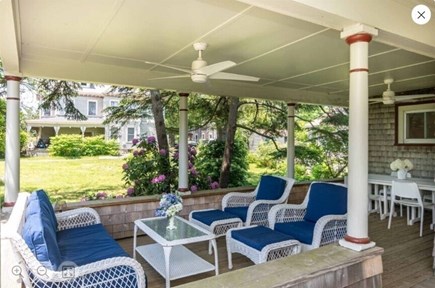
326	199
40	236
241	212
38	202
271	188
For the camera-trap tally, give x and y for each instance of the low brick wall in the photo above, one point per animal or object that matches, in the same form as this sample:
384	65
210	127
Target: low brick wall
118	215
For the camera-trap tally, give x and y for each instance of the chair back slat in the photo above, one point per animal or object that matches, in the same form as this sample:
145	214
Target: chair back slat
406	189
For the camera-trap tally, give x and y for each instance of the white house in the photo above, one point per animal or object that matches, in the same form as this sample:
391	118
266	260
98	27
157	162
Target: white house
91	102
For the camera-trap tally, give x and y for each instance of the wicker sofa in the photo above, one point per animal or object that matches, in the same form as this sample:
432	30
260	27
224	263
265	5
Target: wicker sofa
68	249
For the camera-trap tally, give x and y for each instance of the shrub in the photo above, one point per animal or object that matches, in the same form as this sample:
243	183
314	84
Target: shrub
150	171
209	161
77	146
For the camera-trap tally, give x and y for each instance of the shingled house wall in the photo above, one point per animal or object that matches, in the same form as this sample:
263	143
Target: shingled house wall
382	150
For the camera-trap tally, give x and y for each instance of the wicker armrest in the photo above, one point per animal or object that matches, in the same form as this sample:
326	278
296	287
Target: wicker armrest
286	213
77	218
237	199
120	270
258	212
329	229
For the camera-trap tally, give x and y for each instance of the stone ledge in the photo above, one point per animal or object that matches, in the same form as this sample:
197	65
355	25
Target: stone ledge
329	266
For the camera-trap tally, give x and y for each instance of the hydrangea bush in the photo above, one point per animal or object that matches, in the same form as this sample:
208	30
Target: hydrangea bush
150	170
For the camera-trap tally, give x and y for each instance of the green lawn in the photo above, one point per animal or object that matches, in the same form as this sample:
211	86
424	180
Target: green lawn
70	179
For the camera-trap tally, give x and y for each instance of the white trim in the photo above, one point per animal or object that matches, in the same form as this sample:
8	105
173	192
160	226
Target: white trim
401	122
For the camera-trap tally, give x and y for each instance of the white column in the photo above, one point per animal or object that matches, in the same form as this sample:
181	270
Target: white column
83	129
183	180
56	130
12	148
291	140
357	221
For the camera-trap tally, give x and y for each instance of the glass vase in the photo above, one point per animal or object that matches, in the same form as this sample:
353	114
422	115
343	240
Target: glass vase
171	223
401	174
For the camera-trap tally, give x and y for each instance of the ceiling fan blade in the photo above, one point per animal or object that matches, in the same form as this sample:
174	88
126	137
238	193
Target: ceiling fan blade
232	76
412	97
170	67
171	77
215	68
375	99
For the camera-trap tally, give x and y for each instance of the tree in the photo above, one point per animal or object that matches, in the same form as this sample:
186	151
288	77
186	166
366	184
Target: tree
59	94
229	143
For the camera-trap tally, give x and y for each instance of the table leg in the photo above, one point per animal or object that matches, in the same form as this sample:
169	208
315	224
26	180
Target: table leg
167	252
432	226
216	261
134	241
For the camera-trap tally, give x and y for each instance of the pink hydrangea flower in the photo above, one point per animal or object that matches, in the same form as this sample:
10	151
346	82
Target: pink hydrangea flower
193	188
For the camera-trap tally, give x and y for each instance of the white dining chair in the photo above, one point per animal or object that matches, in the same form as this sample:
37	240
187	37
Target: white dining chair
382	197
406	193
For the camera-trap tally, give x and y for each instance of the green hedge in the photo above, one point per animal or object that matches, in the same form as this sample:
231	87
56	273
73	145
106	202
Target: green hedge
77	146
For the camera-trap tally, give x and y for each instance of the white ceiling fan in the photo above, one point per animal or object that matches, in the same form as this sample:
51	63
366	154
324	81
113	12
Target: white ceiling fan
389	96
200	71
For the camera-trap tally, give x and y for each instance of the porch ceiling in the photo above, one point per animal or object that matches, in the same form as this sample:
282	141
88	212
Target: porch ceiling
293	46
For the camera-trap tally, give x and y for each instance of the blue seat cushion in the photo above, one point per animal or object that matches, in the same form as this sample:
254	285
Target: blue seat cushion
326	199
87	244
40	236
270	188
240	212
37	203
210	216
300	230
259	237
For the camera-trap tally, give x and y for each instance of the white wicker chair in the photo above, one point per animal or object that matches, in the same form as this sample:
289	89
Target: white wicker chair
328	229
111	272
258	209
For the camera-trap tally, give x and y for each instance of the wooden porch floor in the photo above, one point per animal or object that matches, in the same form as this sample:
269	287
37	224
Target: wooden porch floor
407	259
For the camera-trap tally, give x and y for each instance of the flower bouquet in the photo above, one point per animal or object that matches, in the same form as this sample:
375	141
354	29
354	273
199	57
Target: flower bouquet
402	167
170	204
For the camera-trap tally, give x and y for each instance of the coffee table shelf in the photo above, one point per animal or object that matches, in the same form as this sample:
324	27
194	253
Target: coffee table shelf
168	256
183	261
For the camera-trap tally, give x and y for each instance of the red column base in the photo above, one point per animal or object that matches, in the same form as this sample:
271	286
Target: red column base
183	189
8	204
357	240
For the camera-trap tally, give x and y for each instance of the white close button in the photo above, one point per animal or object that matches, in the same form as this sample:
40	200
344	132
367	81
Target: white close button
421	14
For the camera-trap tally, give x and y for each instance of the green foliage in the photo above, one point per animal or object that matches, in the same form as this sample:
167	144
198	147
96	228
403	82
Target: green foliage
321	138
23	134
209	161
149	171
77	146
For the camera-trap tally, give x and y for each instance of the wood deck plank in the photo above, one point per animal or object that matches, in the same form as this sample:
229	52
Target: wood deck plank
407	259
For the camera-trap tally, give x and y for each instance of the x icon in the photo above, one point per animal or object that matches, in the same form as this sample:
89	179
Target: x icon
421	15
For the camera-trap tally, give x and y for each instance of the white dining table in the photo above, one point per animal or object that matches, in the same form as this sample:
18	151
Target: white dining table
387	181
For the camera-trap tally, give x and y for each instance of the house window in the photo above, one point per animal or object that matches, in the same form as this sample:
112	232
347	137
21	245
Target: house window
416	124
210	136
114	133
46	112
92	108
130	134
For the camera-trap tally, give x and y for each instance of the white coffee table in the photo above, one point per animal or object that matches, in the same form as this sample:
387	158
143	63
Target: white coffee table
168	256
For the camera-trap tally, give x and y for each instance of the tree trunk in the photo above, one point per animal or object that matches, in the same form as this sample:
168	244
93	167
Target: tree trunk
224	178
159	120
